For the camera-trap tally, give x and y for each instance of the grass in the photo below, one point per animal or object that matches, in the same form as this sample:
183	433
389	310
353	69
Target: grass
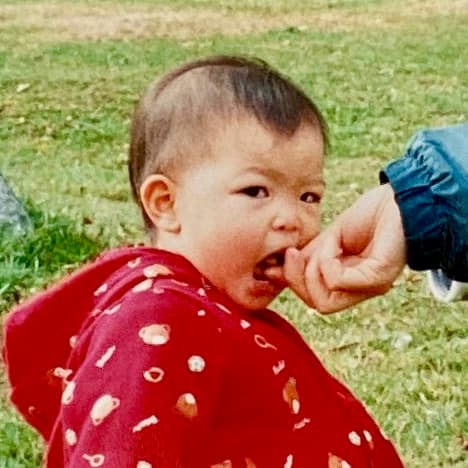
70	73
54	245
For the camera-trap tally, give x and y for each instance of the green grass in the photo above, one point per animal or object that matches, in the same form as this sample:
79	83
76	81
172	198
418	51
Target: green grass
379	70
55	245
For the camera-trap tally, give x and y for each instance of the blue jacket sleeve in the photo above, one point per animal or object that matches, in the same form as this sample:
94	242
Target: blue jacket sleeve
431	188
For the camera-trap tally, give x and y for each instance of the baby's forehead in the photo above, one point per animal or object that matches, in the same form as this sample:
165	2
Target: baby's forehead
249	147
243	122
258	141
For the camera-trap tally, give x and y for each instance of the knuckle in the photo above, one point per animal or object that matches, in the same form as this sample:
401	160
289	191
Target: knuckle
324	307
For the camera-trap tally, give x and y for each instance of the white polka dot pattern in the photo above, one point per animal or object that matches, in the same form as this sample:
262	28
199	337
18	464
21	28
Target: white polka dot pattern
354	438
187	405
301	424
176	368
196	363
155	334
62	373
112	310
155	270
72	341
143	286
149	421
143	464
101	362
277	368
67	395
101	290
244	324
134	263
102	408
153	374
367	436
70	437
95	460
263	343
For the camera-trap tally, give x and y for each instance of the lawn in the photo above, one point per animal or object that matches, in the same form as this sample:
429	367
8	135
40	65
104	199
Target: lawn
70	73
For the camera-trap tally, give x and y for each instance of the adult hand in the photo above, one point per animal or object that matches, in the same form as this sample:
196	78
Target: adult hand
357	257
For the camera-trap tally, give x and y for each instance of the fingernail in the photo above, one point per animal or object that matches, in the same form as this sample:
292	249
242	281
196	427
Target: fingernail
292	251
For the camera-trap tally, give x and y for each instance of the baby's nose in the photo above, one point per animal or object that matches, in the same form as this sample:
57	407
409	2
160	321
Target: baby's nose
287	218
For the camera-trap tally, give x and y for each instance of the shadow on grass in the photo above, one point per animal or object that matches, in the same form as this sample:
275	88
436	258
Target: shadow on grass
27	263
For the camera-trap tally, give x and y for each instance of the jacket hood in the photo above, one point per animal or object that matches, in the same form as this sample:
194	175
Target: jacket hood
39	334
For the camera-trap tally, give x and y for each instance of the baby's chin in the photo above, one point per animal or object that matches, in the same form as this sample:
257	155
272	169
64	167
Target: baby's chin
253	294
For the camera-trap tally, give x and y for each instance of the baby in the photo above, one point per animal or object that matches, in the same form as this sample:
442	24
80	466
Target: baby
166	356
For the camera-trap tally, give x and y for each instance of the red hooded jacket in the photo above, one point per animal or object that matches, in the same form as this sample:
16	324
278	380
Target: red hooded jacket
138	361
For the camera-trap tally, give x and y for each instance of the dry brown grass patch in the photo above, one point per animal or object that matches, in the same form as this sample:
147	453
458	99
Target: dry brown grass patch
69	21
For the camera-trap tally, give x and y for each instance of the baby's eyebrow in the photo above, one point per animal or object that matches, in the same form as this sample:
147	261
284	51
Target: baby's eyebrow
266	172
260	170
303	181
317	183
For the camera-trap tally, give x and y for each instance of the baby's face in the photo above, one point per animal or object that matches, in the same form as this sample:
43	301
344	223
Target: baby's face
240	208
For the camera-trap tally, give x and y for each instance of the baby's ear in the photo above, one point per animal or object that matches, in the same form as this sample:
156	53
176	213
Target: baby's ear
157	194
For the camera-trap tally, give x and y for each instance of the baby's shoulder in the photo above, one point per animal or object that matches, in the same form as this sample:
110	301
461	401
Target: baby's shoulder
165	298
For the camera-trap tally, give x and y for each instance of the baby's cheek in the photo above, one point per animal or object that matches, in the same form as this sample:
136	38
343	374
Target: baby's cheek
311	228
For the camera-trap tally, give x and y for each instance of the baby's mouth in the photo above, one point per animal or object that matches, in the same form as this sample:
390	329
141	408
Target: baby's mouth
273	260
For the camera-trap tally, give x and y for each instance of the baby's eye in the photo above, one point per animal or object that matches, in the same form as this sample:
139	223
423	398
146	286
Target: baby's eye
256	191
310	197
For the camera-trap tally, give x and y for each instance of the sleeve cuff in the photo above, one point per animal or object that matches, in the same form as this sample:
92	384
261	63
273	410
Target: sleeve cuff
431	189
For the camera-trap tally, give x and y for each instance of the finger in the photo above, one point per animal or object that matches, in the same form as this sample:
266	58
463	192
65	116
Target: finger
356	274
325	300
294	271
326	244
335	301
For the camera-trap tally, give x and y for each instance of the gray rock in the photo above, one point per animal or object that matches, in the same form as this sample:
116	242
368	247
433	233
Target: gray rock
13	215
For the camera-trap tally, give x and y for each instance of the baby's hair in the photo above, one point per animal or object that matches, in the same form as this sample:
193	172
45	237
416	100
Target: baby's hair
179	114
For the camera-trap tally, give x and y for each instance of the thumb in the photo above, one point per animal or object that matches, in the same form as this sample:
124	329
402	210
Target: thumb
294	273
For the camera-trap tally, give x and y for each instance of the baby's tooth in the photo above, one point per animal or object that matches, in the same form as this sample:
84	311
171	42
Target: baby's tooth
271	261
